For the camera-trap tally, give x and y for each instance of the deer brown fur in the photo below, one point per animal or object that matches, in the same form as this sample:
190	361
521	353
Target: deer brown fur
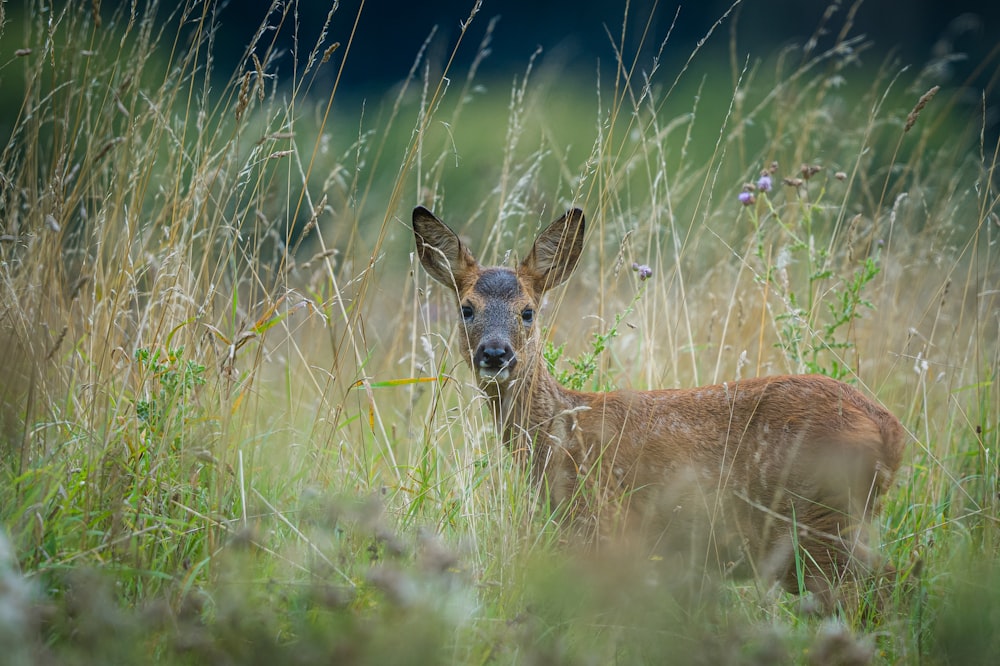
782	473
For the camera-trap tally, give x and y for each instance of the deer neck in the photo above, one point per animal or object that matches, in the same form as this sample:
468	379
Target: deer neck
532	411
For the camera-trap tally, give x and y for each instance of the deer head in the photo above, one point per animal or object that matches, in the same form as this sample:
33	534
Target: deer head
498	305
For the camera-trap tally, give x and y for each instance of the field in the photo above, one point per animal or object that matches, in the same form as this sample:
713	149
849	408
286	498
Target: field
234	423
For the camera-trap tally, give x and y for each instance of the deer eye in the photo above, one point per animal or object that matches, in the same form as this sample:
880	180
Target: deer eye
527	315
468	313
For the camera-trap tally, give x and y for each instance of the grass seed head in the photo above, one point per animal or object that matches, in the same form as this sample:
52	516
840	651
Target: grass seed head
924	100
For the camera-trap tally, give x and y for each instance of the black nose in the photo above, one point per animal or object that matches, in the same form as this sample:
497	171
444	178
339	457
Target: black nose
494	356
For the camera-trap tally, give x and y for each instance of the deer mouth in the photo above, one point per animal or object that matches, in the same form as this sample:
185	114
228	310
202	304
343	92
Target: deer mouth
498	375
495	372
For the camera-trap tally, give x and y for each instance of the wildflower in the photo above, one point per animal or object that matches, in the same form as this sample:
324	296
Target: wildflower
840	175
793	182
810	170
747	198
764	182
644	271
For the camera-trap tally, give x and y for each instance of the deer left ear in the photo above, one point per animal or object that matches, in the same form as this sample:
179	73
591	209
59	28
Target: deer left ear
556	252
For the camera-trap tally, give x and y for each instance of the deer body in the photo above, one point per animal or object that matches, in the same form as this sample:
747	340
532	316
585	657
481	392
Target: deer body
750	470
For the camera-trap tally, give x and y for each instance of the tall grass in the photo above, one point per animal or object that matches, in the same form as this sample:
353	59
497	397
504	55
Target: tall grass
232	428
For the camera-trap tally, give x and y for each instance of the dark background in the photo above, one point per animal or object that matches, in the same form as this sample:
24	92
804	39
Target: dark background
390	32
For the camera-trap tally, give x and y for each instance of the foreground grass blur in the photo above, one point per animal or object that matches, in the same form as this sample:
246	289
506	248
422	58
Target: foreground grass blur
231	429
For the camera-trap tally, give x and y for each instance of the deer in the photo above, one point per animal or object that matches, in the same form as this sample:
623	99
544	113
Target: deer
779	476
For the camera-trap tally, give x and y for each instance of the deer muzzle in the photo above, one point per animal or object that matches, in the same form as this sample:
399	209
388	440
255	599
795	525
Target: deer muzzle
494	360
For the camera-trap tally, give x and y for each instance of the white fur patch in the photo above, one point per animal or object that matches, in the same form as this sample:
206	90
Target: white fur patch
491	375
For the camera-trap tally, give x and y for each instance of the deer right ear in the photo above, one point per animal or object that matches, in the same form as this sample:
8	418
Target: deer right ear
443	255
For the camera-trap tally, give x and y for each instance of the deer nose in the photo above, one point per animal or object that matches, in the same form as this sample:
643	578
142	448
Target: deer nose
494	356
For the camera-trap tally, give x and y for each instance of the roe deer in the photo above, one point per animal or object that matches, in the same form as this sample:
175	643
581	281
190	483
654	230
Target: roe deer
781	472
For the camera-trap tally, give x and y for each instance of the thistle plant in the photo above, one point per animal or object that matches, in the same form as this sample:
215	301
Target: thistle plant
819	301
580	376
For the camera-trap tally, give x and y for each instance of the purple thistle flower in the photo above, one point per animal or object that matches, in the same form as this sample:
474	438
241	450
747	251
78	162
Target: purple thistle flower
644	271
746	198
764	184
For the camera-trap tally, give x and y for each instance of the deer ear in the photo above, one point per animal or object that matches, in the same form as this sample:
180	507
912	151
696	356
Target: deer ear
556	252
443	255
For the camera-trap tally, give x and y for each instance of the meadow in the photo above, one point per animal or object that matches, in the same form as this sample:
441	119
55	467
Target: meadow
232	426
